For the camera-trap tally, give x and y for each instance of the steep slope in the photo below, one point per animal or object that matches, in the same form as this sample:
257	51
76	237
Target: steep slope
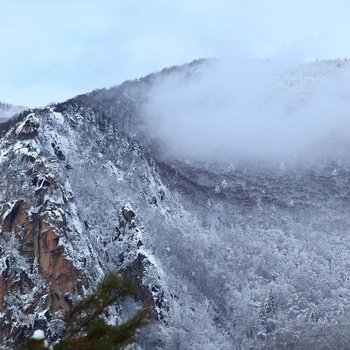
36	275
225	257
78	199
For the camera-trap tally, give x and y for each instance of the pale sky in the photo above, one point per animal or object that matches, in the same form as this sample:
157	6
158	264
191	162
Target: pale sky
53	50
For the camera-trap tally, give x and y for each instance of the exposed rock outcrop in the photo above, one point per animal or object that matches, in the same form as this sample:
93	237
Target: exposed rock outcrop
36	274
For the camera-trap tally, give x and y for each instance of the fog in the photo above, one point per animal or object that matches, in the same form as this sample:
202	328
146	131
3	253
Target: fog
249	109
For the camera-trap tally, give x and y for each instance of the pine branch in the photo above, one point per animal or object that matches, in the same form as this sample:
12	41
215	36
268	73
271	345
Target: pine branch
85	327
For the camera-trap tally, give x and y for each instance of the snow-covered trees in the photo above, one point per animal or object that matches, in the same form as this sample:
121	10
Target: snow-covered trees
267	309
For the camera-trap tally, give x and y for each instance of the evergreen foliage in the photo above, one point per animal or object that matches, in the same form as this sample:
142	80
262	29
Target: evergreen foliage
85	327
267	309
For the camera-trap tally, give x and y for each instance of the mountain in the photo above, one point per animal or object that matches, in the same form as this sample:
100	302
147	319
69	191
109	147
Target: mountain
224	257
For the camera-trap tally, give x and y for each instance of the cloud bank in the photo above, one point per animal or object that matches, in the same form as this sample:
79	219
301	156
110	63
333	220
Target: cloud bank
249	109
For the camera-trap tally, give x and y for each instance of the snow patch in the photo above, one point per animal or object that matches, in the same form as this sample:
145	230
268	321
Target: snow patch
38	335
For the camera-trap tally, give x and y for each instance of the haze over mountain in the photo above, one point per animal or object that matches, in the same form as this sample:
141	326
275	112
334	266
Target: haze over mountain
7	111
248	109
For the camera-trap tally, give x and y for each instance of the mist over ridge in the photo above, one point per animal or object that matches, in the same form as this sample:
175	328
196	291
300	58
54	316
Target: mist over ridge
233	110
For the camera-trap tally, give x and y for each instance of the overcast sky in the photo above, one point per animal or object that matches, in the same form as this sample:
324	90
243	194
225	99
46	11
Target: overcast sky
51	51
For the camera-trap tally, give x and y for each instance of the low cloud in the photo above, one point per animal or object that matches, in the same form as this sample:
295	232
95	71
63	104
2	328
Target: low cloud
249	109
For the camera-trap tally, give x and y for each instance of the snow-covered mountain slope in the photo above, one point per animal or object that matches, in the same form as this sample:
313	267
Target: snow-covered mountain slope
225	257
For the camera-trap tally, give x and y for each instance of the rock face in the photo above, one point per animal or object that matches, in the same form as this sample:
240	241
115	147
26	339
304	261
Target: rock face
49	252
223	257
36	272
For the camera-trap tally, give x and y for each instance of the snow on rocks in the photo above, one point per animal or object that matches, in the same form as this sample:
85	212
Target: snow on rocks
38	335
28	129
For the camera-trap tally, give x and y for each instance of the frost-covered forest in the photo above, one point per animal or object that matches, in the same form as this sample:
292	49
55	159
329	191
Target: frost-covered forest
230	251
